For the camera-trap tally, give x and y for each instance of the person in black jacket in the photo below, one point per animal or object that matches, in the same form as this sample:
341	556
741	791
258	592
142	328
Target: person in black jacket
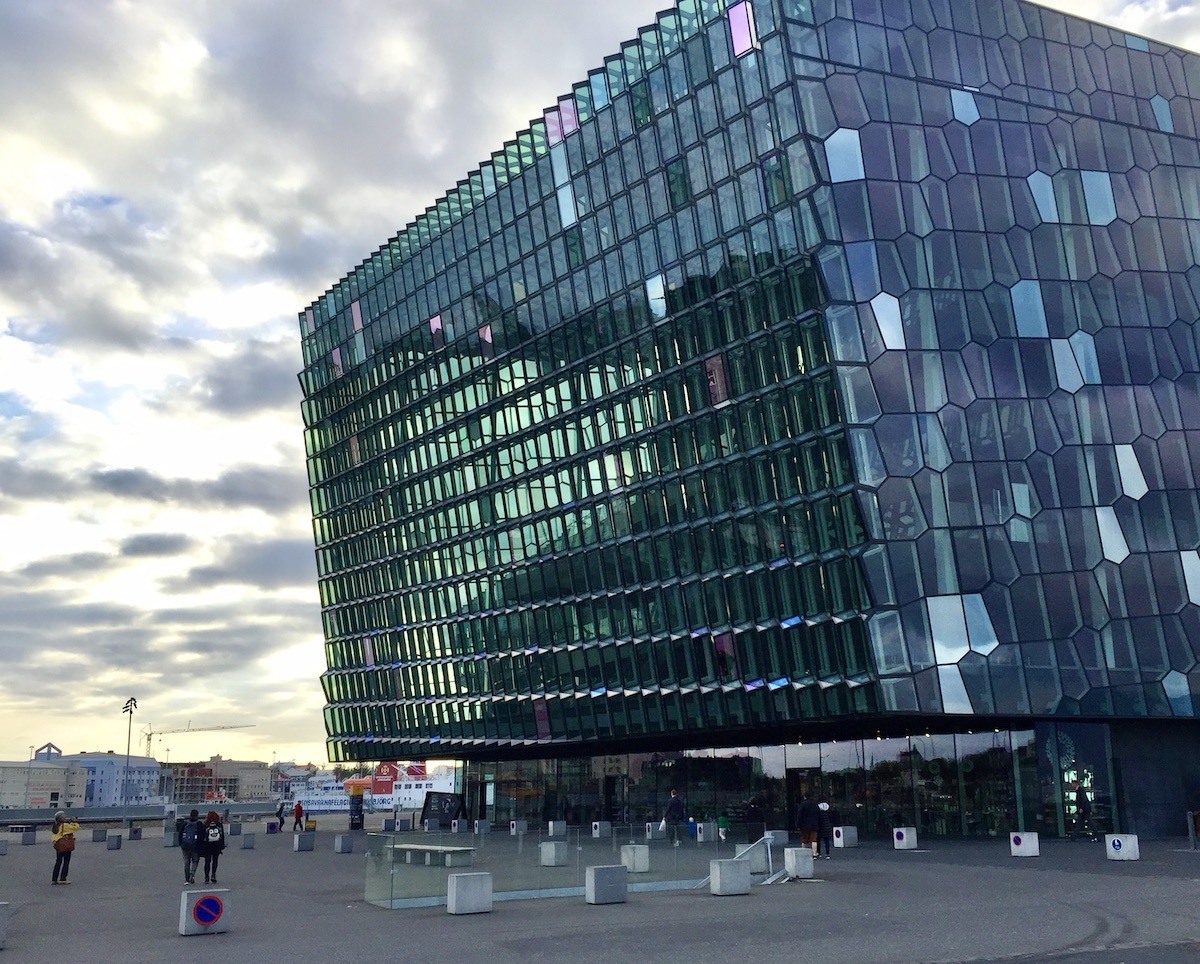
212	842
807	821
674	816
824	829
189	843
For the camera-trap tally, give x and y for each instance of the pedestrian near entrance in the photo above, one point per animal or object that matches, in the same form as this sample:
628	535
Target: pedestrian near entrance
279	814
298	813
674	816
807	820
824	829
189	844
62	838
212	843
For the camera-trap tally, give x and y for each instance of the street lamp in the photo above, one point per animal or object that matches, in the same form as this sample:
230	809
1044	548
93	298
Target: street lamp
129	707
28	769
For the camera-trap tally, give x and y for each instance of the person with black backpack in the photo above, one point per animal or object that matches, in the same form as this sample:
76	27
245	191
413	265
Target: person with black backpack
212	842
189	843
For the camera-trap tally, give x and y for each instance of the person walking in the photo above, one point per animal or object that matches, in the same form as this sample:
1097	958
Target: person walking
298	813
806	822
824	829
280	812
62	838
212	843
674	816
189	843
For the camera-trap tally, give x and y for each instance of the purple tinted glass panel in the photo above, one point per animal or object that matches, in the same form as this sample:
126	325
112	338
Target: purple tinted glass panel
309	322
554	131
356	313
570	118
741	28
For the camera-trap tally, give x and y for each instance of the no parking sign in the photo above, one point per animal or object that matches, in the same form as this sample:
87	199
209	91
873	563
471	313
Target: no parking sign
208	910
204	912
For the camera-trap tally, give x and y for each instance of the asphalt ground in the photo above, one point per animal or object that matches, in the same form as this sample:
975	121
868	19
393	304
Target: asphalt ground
950	901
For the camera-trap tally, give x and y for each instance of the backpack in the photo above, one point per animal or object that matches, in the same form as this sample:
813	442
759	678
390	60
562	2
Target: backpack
187	839
214	834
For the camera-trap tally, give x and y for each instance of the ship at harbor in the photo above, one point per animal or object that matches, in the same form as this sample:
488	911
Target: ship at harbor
392	786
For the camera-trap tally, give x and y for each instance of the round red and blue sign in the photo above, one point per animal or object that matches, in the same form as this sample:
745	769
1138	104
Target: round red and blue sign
208	910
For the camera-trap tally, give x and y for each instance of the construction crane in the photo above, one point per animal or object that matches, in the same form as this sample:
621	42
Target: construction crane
150	733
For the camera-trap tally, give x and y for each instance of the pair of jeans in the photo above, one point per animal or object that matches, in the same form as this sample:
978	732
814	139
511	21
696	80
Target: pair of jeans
191	860
210	866
62	863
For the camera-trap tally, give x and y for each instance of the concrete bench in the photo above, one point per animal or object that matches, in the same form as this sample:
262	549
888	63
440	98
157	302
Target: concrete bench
636	858
606	884
552	853
451	856
727	878
469	893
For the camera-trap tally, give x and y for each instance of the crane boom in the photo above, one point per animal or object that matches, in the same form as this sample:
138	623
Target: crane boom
150	733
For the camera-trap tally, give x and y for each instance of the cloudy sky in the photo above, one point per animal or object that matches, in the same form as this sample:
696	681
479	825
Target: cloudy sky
177	181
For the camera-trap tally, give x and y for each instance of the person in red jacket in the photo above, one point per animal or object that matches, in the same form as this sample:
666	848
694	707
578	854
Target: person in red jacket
298	812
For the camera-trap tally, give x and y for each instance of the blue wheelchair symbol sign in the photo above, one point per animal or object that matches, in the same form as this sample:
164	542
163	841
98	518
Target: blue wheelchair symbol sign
208	910
1116	845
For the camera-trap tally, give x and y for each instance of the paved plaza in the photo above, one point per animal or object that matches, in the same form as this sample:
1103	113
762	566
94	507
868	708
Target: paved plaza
953	901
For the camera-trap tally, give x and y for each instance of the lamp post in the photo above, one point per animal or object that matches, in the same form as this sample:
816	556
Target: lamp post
129	707
28	770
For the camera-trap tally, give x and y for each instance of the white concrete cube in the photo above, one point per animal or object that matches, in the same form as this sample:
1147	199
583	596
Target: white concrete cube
1121	846
204	911
99	835
755	856
728	878
460	858
653	832
469	893
432	826
303	842
845	836
779	838
706	832
636	858
483	826
3	923
28	838
235	828
904	838
343	843
170	839
556	828
516	827
553	853
798	862
1024	844
606	884
248	841
114	841
601	828
460	826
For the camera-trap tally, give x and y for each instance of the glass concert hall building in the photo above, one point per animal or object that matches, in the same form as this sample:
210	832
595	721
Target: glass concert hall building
809	400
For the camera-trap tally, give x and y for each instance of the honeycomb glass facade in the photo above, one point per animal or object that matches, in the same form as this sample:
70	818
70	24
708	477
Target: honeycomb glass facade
814	369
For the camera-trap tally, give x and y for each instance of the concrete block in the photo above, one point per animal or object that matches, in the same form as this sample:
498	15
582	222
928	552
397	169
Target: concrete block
483	826
553	853
652	831
204	911
114	841
460	826
389	824
170	838
1121	846
463	858
755	856
248	841
706	832
433	826
798	862
601	829
3	923
235	828
28	838
99	836
273	827
469	893
1023	844
556	828
606	884
3	848
304	841
135	833
904	838
779	838
343	843
728	878
516	827
845	836
636	858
